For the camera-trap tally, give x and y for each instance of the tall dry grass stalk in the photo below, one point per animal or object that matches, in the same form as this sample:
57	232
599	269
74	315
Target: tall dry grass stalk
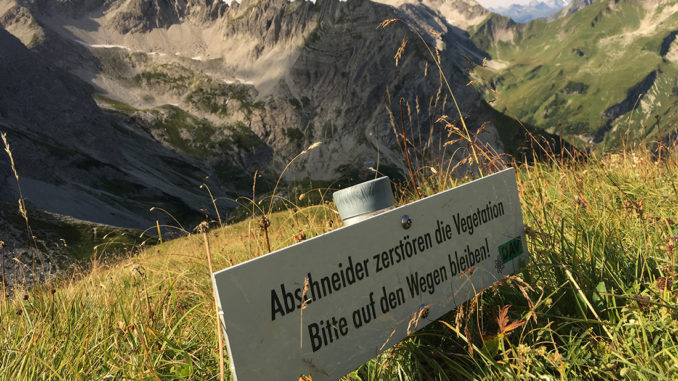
407	151
203	227
254	207
179	226
22	203
432	156
4	285
214	203
265	221
264	224
275	188
437	60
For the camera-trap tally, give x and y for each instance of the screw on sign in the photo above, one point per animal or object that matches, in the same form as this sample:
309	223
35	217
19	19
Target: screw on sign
325	305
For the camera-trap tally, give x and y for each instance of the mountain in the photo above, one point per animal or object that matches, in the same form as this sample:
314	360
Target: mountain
461	14
75	159
574	6
533	10
602	74
113	107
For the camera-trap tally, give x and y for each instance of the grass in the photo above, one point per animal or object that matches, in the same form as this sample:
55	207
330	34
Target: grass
146	315
596	301
198	90
190	134
115	105
183	130
79	240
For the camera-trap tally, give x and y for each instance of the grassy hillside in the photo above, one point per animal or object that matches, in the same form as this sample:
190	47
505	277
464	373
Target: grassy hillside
605	67
597	300
59	244
77	239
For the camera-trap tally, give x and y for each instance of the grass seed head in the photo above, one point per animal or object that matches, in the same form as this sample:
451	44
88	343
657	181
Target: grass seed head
301	236
264	223
386	23
400	51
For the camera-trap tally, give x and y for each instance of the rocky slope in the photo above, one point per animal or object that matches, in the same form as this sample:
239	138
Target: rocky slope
75	159
463	14
119	105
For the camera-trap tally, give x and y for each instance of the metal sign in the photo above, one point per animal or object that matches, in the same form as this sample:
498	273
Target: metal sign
326	305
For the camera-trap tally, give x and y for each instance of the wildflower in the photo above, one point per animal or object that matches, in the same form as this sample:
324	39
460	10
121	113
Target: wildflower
523	349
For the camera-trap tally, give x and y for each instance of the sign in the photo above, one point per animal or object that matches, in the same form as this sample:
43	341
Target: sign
326	305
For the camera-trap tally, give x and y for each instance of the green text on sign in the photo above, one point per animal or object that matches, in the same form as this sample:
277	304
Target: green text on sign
511	249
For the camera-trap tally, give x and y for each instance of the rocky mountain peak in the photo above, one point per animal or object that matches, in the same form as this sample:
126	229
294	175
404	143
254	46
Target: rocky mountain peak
132	15
144	15
573	7
271	20
459	13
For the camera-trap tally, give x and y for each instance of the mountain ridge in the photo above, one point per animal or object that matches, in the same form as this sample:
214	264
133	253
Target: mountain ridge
533	10
192	79
610	50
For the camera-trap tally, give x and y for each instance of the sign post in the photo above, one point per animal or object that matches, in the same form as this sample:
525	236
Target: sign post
326	305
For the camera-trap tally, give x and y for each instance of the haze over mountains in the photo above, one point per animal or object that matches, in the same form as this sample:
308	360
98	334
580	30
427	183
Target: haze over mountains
533	10
112	107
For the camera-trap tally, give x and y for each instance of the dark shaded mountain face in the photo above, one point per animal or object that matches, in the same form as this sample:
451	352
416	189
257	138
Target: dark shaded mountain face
75	159
112	107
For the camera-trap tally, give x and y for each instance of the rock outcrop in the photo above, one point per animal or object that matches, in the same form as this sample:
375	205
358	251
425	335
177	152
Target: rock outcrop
224	90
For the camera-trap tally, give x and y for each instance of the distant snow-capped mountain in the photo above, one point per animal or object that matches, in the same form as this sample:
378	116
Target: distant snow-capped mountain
535	9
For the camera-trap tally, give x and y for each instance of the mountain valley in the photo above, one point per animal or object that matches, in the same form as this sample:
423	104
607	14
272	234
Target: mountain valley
116	111
604	73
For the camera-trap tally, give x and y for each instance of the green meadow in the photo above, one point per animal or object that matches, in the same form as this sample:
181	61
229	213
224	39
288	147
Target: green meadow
562	76
597	300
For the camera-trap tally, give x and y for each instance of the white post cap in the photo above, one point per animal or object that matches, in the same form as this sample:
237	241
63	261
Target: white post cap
364	199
